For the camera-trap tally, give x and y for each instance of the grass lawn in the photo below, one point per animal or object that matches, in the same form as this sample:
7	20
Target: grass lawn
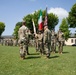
35	64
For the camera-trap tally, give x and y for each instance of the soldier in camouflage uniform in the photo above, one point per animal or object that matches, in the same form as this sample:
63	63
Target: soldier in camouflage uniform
2	41
47	41
23	42
15	42
60	36
36	42
28	33
53	41
40	42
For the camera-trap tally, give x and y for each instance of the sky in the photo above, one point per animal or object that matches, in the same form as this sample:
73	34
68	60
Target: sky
13	11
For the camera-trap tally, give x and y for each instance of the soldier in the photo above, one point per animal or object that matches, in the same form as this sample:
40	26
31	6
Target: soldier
60	36
10	42
23	42
47	41
36	42
28	33
2	41
15	42
53	41
40	42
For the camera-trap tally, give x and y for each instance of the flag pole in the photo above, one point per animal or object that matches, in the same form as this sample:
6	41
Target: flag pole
46	19
34	26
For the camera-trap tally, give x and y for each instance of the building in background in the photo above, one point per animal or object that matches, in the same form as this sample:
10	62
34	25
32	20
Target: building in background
71	40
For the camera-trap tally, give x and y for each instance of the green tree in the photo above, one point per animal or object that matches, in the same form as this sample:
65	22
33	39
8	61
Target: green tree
19	24
15	33
65	28
72	17
52	19
28	20
2	28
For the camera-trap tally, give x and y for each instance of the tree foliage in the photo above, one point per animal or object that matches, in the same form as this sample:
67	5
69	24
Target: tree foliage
72	17
15	33
52	21
28	20
65	28
2	28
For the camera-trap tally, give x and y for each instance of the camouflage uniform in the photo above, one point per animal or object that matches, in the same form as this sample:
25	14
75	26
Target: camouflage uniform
40	42
2	41
15	42
36	42
10	42
23	42
60	41
28	39
47	41
53	41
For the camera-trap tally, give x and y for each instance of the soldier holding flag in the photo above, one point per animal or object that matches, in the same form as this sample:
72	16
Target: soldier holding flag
35	35
40	34
47	37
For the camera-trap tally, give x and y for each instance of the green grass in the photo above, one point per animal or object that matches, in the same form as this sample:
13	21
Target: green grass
35	64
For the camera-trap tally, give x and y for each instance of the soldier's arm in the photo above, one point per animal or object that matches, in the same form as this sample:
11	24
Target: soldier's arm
45	37
41	36
57	35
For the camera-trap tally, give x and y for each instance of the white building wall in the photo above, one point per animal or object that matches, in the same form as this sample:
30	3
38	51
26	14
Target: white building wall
70	41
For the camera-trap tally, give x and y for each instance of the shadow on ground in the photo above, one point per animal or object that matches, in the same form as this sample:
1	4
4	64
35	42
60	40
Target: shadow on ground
34	53
53	57
63	52
33	57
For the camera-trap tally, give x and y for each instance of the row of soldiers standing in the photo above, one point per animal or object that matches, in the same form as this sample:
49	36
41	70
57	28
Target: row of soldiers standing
49	39
9	42
45	41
